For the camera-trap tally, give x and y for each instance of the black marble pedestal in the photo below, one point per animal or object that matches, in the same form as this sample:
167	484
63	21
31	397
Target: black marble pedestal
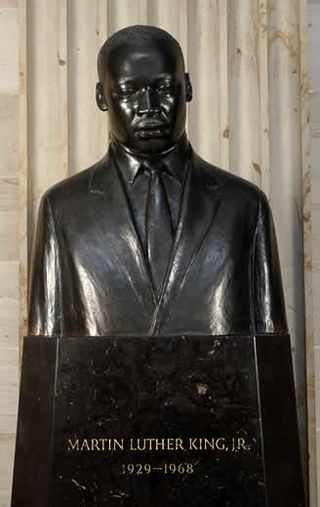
157	422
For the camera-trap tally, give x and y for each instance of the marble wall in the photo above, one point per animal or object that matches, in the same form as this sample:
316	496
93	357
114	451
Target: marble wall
314	93
9	238
248	61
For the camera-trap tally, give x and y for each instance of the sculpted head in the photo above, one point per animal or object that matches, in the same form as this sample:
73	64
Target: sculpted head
144	87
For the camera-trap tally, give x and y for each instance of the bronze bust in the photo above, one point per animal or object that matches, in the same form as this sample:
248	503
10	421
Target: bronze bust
153	240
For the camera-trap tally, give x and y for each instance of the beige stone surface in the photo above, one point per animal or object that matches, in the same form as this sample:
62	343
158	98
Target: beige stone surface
314	97
7	446
8	3
88	31
9	75
9	304
8	136
9	378
10	210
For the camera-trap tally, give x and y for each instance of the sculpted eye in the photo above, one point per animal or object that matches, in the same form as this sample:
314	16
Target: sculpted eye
166	88
126	92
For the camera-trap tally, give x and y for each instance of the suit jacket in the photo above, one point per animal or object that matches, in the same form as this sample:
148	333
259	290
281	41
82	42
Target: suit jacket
90	277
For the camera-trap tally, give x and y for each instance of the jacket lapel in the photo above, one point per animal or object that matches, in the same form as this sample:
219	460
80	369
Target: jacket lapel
200	202
113	217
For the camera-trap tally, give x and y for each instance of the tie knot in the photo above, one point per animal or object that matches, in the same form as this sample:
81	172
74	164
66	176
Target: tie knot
153	169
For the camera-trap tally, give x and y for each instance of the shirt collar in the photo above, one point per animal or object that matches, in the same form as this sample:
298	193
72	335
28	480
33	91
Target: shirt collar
129	163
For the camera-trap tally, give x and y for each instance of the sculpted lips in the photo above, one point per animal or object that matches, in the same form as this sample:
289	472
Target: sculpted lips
151	128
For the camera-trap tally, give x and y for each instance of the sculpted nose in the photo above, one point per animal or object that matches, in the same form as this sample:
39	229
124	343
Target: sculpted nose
148	102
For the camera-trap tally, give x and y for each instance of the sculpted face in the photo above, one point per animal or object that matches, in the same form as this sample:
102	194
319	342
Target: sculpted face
145	91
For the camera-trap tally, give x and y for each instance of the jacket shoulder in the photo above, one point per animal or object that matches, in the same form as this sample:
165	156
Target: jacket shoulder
229	184
72	188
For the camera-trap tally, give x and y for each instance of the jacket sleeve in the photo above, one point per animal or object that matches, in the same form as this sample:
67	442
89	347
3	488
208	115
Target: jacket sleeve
45	306
267	291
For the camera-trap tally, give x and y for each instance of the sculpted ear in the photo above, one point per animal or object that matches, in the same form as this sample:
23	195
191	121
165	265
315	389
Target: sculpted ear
188	87
100	98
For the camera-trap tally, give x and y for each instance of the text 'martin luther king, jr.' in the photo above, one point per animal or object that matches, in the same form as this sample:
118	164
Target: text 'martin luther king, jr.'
153	240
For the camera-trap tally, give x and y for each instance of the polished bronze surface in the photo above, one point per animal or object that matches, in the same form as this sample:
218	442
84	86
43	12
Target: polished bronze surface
92	273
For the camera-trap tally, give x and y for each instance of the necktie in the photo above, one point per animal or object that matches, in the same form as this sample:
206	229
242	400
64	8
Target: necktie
158	228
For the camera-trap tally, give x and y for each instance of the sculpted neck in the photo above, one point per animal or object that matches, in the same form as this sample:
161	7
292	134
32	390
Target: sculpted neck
179	146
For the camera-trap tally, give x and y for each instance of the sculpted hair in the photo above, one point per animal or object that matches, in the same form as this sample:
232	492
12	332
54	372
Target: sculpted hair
139	35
